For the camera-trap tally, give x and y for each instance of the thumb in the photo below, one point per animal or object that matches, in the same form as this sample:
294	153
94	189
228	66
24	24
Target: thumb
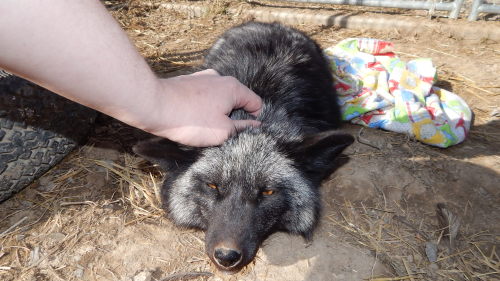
247	100
240	125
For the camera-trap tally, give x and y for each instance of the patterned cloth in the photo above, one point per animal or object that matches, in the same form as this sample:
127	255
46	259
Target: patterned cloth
378	90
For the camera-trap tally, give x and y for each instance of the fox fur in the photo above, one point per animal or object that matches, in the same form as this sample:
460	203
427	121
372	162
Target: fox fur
265	179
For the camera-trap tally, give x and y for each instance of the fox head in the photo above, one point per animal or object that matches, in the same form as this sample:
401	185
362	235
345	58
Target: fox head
246	189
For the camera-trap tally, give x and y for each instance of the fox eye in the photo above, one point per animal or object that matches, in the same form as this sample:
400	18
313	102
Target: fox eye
268	192
212	186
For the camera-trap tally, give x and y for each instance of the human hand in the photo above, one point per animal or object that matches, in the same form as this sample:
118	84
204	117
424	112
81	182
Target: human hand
193	109
117	81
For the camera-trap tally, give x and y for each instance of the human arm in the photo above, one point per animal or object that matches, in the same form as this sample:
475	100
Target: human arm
76	49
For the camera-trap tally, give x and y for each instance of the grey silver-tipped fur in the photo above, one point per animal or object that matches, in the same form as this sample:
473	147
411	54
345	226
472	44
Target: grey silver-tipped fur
264	179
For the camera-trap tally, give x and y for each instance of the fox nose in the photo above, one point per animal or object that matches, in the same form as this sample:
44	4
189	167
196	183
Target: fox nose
227	257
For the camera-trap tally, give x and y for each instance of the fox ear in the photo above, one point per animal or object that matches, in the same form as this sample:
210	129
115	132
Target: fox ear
315	155
168	154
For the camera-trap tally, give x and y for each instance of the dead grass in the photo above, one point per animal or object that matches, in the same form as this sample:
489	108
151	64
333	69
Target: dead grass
400	241
47	231
44	225
141	190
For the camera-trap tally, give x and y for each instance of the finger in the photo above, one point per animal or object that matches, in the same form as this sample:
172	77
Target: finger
249	101
209	71
240	125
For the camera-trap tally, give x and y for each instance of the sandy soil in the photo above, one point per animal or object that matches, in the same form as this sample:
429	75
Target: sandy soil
95	216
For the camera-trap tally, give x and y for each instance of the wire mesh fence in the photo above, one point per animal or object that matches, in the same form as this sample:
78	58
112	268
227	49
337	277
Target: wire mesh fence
454	8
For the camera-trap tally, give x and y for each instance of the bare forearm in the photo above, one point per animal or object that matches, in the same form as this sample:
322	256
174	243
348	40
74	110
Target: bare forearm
76	49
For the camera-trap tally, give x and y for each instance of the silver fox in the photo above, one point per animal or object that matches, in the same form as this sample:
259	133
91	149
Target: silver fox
265	179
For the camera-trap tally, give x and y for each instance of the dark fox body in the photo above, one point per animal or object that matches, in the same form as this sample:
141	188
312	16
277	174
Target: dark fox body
264	179
284	67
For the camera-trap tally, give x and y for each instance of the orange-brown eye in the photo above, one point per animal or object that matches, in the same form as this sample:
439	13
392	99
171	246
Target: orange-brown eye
212	186
268	192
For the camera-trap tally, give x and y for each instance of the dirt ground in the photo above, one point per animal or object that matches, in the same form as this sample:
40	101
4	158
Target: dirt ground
96	215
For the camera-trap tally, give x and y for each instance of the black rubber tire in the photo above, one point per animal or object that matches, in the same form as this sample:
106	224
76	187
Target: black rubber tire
37	129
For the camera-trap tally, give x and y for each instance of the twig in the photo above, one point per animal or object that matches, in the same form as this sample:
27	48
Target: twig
481	89
452	255
365	141
403	221
380	210
473	84
489	86
12	227
477	95
406	54
393	278
408	270
437	51
77	203
374	263
186	276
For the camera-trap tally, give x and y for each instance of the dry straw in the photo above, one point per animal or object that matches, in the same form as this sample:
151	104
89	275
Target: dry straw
399	242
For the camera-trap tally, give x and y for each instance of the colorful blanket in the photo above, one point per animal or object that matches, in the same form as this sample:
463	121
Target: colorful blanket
378	90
